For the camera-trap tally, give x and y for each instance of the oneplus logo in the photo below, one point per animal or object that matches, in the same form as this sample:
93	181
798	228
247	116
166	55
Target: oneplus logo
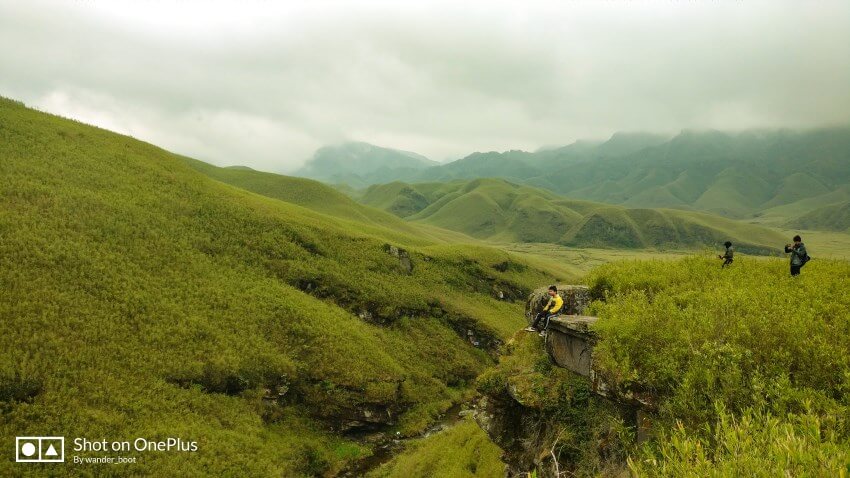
40	449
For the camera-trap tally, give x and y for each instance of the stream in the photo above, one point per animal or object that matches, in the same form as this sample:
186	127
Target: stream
385	446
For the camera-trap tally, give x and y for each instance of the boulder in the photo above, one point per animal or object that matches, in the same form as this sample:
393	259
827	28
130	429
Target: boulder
404	262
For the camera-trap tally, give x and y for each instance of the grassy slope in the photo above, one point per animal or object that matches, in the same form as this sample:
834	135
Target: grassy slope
142	298
497	210
742	364
463	450
304	192
326	199
835	217
748	343
782	215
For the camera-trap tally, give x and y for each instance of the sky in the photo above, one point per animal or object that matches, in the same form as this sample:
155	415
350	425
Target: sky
264	84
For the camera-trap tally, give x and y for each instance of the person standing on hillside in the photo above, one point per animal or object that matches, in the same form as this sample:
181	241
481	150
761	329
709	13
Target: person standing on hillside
728	256
553	306
799	255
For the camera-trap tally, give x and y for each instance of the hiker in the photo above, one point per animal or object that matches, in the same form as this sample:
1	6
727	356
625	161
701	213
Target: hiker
550	310
728	255
799	255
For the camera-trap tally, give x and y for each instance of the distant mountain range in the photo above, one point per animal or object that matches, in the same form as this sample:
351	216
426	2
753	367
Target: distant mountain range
498	210
361	164
777	177
501	211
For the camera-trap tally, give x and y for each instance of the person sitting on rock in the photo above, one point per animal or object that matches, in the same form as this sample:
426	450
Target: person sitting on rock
728	255
551	310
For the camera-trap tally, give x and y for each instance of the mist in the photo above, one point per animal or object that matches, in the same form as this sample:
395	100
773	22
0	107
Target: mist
264	85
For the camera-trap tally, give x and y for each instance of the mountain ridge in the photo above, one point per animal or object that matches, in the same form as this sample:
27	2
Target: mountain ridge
351	162
739	175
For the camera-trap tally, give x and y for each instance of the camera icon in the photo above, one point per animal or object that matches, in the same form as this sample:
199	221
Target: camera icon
40	449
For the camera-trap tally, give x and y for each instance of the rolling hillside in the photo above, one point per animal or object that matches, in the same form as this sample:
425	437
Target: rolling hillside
835	217
303	192
143	298
501	211
735	175
769	176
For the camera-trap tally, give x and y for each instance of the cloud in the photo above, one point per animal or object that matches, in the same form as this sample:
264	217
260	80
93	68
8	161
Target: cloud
264	83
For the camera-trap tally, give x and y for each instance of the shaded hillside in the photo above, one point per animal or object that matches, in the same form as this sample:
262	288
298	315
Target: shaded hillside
835	217
498	210
515	165
737	175
361	164
778	215
142	298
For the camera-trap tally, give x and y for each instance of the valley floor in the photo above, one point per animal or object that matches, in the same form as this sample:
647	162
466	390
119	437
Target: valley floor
577	261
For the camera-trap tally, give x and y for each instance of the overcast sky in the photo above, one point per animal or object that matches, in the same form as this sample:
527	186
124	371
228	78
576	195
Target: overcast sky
265	83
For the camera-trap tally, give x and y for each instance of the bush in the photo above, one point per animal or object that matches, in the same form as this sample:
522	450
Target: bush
714	345
756	444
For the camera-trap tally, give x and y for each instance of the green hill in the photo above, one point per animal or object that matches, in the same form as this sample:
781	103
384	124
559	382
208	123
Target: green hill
497	210
738	175
144	299
835	217
746	175
739	366
303	192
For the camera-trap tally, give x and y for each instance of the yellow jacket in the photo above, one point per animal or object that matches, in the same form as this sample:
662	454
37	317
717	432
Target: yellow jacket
554	305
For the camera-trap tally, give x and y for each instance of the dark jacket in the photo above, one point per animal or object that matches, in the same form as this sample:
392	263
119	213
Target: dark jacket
797	254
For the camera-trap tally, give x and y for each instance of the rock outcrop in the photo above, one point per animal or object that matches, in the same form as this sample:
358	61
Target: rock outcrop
404	262
522	433
557	416
576	299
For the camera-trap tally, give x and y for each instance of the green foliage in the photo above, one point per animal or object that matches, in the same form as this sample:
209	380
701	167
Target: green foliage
142	298
501	211
755	444
749	337
591	436
464	450
304	192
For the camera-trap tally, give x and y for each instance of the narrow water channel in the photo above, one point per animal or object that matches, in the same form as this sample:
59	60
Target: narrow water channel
385	446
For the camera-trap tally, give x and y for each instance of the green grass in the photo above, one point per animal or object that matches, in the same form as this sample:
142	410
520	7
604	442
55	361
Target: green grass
586	432
745	340
744	366
464	450
303	192
824	244
572	264
754	444
499	211
143	298
834	217
696	334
